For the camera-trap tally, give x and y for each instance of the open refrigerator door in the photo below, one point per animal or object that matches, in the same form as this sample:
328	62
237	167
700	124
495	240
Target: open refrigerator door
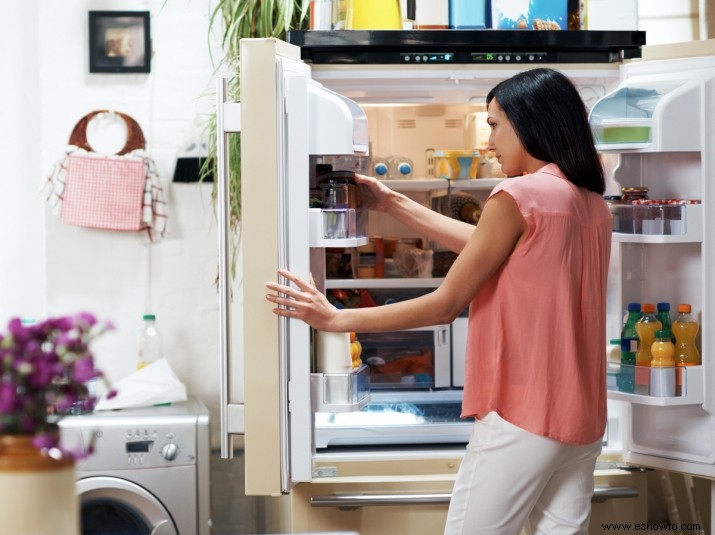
268	390
656	122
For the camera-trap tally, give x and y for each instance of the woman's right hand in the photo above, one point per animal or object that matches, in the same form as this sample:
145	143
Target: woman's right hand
374	195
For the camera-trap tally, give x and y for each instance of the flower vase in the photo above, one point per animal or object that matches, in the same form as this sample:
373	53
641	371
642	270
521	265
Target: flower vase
37	491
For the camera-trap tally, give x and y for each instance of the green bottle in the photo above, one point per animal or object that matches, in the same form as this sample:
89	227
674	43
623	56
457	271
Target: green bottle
663	315
629	348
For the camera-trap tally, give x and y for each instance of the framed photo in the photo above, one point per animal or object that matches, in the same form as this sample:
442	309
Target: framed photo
119	41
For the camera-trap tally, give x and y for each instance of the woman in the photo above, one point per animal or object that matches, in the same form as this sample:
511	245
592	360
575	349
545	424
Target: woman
533	272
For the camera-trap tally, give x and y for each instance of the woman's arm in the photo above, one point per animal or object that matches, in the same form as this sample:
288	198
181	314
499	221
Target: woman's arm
448	232
500	229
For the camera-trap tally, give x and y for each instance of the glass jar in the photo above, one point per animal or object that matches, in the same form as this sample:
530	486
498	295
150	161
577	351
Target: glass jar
633	193
339	190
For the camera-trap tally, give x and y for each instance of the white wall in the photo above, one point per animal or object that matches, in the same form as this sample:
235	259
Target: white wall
49	268
674	21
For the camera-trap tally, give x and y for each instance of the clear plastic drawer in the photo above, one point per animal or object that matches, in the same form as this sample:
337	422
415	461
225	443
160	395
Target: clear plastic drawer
346	227
340	392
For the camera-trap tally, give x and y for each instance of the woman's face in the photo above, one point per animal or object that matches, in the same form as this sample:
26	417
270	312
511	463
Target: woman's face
505	143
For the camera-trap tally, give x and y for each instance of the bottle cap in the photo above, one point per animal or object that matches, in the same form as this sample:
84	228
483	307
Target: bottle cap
380	169
634	307
663	333
648	308
663	306
684	308
148	317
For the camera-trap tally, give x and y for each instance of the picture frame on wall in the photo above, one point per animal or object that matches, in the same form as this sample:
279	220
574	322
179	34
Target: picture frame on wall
119	42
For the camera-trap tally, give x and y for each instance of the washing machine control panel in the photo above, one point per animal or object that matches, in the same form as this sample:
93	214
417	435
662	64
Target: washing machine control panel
139	446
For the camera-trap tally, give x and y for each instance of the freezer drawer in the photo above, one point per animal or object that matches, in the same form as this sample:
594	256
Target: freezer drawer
416	504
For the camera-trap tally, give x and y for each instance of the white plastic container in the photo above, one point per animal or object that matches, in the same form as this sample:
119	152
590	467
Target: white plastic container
332	352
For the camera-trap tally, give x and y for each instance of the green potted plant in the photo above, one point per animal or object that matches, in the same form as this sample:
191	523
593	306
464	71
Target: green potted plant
239	19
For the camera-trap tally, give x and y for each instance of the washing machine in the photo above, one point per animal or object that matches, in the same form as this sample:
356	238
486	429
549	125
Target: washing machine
148	472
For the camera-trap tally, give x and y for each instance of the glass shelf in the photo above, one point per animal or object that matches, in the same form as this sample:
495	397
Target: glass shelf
354	284
426	184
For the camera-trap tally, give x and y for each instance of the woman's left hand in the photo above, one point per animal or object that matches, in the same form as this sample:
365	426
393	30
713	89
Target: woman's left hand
305	302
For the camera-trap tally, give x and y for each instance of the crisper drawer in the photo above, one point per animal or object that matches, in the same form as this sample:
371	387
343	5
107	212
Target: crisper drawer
408	360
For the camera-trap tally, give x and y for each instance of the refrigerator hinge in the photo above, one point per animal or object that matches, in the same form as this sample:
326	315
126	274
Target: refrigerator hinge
231	116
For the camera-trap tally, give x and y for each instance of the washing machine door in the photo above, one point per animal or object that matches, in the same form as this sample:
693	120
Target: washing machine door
114	506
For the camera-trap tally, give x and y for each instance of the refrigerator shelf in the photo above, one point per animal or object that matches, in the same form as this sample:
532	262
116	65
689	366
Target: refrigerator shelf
431	184
678	223
633	384
340	392
355	284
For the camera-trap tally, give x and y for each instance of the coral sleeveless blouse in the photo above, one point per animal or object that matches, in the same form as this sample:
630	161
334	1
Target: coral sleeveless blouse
536	345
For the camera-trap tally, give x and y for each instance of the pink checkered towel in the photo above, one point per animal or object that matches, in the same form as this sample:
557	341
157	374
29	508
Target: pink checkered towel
121	193
104	193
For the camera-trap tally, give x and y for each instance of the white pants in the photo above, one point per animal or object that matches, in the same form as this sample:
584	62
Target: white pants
511	480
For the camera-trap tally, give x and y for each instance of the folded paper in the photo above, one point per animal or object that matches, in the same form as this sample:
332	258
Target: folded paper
154	384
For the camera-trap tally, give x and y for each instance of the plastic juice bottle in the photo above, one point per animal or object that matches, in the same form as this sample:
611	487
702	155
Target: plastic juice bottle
663	315
662	367
685	328
646	328
663	350
629	346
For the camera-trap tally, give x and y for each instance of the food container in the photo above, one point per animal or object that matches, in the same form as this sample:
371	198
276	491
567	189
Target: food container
541	15
622	131
456	164
332	352
339	190
467	14
373	15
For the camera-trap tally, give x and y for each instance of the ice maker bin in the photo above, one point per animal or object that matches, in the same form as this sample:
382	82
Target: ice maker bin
648	115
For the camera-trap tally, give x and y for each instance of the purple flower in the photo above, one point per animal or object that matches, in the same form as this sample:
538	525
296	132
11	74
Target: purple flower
41	375
45	440
83	370
8	398
44	368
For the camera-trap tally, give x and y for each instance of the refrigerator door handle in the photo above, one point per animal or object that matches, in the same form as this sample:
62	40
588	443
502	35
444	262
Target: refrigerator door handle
228	120
354	501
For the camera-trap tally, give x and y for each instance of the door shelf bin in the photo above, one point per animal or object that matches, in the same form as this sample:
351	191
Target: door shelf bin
633	384
667	222
345	227
340	392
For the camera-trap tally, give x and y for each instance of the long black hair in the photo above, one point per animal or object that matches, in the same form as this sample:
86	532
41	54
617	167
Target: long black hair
551	121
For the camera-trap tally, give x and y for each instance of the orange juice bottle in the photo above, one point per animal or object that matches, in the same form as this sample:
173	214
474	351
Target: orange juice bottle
685	328
662	367
662	350
646	328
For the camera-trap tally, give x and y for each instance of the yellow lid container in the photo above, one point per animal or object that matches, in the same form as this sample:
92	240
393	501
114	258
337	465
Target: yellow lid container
456	164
